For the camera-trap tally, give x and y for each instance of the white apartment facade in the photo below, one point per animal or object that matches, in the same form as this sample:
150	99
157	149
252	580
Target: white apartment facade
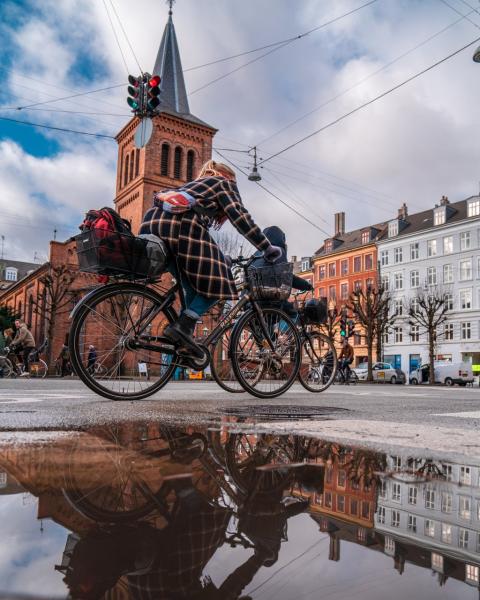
438	249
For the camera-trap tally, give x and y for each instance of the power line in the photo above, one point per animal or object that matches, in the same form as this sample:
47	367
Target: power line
460	13
275	196
283	44
99	135
371	101
359	82
110	87
116	37
126	37
72	112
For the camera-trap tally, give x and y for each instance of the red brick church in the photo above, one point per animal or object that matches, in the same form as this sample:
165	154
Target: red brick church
179	145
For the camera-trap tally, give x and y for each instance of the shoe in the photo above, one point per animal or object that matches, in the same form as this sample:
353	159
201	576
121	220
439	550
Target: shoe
24	374
181	334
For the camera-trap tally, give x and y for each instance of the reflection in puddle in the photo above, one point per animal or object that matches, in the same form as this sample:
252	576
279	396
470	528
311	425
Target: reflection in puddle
150	512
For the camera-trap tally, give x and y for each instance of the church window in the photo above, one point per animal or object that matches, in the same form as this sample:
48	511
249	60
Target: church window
125	174
190	164
165	159
30	312
137	162
177	166
19	309
132	159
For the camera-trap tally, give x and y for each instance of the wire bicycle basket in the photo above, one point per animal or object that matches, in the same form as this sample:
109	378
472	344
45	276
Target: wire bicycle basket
271	283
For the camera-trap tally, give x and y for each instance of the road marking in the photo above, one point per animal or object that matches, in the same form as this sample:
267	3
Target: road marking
26	401
471	414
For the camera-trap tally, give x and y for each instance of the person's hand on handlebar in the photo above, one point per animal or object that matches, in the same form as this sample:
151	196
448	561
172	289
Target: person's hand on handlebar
272	254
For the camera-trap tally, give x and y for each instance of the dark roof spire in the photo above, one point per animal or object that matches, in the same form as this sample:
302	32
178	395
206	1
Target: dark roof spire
168	65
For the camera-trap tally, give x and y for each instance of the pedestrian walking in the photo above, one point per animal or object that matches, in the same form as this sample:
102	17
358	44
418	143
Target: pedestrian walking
91	358
64	359
23	343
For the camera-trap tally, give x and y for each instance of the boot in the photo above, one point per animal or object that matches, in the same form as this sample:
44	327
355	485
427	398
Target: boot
181	334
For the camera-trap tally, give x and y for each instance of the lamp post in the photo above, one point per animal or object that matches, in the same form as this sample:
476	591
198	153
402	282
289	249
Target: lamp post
476	55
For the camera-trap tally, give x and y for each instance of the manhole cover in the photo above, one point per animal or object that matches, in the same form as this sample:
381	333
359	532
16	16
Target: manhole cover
280	412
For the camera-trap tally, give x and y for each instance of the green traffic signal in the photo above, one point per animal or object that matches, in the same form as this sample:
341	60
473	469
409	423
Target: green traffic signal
133	103
135	91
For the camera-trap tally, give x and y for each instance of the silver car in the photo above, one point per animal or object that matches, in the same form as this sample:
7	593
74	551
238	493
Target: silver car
382	372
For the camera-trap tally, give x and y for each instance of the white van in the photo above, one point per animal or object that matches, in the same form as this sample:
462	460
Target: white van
448	373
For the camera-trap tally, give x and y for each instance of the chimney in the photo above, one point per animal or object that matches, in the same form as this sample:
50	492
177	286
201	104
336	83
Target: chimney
294	259
403	212
339	223
444	201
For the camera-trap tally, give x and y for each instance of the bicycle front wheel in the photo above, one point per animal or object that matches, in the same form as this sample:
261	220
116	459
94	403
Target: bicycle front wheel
319	362
221	364
265	352
114	323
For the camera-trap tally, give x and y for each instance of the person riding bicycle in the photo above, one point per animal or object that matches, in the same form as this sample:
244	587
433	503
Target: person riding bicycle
200	265
24	343
346	358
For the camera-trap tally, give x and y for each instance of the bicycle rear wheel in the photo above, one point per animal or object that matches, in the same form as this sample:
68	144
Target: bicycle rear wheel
37	368
319	362
221	364
114	321
265	352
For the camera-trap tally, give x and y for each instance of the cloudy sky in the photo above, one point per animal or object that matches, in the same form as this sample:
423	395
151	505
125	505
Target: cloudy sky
413	146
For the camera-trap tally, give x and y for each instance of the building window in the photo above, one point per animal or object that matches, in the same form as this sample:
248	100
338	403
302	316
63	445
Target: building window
447	500
11	274
432	276
137	162
365	237
472	573
357	264
437	562
190	164
398	334
328	500
449	301
464	507
396	492
177	163
357	285
344	291
384	258
466	475
125	172
368	262
382	489
398	255
357	339
397	463
328	246
398	307
446	533
466	270
332	269
429	528
386	281
361	534
344	267
393	228
463	538
354	507
341	478
432	248
414	251
412	495
466	298
398	281
341	503
466	331
412	523
414	279
429	498
322	271
439	216
415	333
473	209
332	293
365	510
322	293
448	331
465	240
395	522
132	164
447	472
447	273
448	244
415	305
389	545
165	159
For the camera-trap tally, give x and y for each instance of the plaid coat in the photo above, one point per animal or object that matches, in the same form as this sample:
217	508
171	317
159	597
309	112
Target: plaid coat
188	240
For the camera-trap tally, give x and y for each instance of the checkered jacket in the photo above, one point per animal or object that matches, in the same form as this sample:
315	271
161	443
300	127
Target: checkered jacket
188	240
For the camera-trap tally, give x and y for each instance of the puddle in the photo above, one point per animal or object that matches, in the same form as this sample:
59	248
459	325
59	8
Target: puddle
144	511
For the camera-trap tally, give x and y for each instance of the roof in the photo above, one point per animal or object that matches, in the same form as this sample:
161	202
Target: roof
424	220
351	239
173	97
23	268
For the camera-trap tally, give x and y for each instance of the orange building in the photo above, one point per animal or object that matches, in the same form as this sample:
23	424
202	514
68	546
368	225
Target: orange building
345	263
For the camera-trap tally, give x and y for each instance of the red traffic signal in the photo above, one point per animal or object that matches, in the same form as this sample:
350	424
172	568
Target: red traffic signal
153	90
154	81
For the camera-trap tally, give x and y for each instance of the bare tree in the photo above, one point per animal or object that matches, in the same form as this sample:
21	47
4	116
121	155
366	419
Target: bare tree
371	308
231	243
428	310
331	325
55	301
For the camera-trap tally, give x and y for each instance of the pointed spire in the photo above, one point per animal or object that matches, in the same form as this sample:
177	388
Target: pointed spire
168	65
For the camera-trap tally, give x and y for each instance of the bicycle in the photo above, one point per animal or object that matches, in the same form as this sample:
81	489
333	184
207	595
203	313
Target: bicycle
125	320
36	366
342	376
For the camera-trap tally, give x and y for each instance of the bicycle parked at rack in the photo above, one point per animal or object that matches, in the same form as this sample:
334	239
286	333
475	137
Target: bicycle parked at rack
125	320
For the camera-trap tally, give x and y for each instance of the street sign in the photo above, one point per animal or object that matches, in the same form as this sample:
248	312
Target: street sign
143	132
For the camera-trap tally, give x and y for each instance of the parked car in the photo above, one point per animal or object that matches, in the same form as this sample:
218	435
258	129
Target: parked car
447	373
382	372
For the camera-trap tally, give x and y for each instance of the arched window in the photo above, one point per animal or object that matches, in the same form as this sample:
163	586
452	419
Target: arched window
190	164
120	161
20	310
137	162
165	159
30	312
177	163
125	174
132	164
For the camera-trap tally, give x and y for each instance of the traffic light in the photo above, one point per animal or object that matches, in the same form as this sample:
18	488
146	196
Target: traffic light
135	94
153	91
351	327
343	327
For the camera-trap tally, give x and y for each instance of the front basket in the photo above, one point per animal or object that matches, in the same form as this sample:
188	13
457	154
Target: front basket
271	283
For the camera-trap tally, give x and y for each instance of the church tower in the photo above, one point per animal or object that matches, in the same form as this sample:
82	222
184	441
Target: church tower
179	145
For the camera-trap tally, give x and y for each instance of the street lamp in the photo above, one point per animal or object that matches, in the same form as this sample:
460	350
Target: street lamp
476	55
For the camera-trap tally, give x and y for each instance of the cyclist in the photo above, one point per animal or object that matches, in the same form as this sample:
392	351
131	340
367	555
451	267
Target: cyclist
182	219
346	359
24	343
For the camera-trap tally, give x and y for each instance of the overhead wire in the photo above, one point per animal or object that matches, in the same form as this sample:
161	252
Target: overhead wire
126	36
98	135
283	44
116	37
75	112
64	97
366	78
371	101
467	16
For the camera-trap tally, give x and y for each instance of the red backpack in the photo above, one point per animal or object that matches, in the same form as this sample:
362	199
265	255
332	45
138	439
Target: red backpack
106	219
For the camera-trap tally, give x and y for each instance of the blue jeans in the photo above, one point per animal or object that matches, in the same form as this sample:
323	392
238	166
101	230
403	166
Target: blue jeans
196	304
